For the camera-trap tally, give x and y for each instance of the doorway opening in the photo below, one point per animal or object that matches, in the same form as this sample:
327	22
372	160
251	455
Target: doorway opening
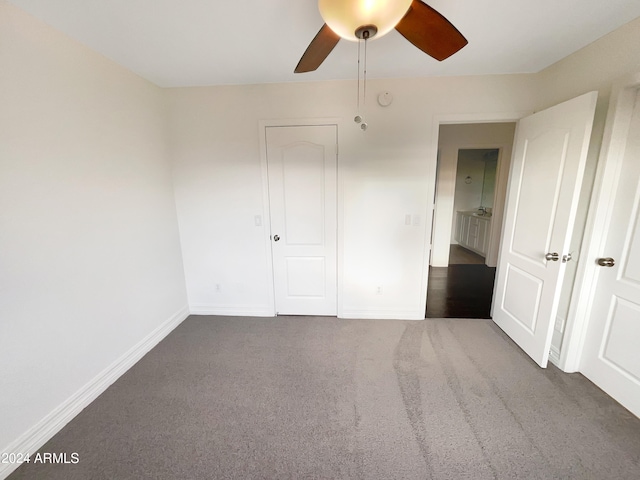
473	165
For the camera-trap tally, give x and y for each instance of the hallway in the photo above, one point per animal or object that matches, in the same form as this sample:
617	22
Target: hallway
464	289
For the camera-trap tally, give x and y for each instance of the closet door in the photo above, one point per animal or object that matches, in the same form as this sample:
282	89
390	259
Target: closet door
611	354
542	197
302	172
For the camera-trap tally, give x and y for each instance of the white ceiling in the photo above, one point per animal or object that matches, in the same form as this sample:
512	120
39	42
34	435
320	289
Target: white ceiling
212	42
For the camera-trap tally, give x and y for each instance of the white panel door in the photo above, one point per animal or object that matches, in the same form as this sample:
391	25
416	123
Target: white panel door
544	185
611	354
302	172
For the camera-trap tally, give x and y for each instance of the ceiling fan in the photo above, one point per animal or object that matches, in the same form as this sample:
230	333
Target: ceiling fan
365	19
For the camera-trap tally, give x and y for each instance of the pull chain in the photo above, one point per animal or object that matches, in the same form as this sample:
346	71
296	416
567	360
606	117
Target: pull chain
358	95
364	76
358	117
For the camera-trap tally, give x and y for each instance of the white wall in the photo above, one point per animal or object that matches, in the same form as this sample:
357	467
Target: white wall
384	174
451	139
489	180
469	179
90	260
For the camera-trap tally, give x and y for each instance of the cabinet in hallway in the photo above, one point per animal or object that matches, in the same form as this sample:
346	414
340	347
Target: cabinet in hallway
472	232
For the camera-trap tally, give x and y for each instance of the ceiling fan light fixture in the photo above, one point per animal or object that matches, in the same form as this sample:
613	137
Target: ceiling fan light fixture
346	17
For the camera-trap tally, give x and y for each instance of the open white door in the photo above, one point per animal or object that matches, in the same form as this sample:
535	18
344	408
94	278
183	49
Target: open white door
548	162
611	354
302	172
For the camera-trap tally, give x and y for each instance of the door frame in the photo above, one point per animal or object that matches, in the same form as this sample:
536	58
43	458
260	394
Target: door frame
494	234
266	211
617	122
432	156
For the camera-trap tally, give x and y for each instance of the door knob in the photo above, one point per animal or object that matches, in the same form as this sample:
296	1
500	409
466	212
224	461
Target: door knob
606	262
276	238
553	257
567	257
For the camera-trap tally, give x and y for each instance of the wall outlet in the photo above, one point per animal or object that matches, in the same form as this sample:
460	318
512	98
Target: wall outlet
257	220
407	219
379	290
218	288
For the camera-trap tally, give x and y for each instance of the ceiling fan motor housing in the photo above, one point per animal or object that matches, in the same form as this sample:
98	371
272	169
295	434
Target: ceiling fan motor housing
365	32
351	18
356	20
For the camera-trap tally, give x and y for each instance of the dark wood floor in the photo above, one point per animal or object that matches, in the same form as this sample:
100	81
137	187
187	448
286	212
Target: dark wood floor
460	291
458	254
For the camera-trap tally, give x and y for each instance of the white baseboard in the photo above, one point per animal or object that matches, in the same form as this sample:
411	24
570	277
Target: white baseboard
382	314
231	310
554	356
45	429
266	311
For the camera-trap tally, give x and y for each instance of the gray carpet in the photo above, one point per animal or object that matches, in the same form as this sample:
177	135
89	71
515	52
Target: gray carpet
305	397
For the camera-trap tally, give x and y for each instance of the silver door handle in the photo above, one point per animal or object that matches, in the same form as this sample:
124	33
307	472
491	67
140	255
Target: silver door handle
606	262
553	257
276	238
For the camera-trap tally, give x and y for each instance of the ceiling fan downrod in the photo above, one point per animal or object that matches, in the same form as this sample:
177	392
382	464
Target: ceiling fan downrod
365	32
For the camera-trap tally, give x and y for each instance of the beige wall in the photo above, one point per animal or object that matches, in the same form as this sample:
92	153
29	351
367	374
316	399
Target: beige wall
90	260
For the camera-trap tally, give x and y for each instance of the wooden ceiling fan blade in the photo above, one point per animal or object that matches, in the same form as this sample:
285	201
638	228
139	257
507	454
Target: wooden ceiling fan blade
430	31
319	49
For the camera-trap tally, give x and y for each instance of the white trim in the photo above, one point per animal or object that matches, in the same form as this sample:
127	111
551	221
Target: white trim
556	346
35	437
231	310
503	168
266	215
613	144
297	122
554	355
339	228
383	314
